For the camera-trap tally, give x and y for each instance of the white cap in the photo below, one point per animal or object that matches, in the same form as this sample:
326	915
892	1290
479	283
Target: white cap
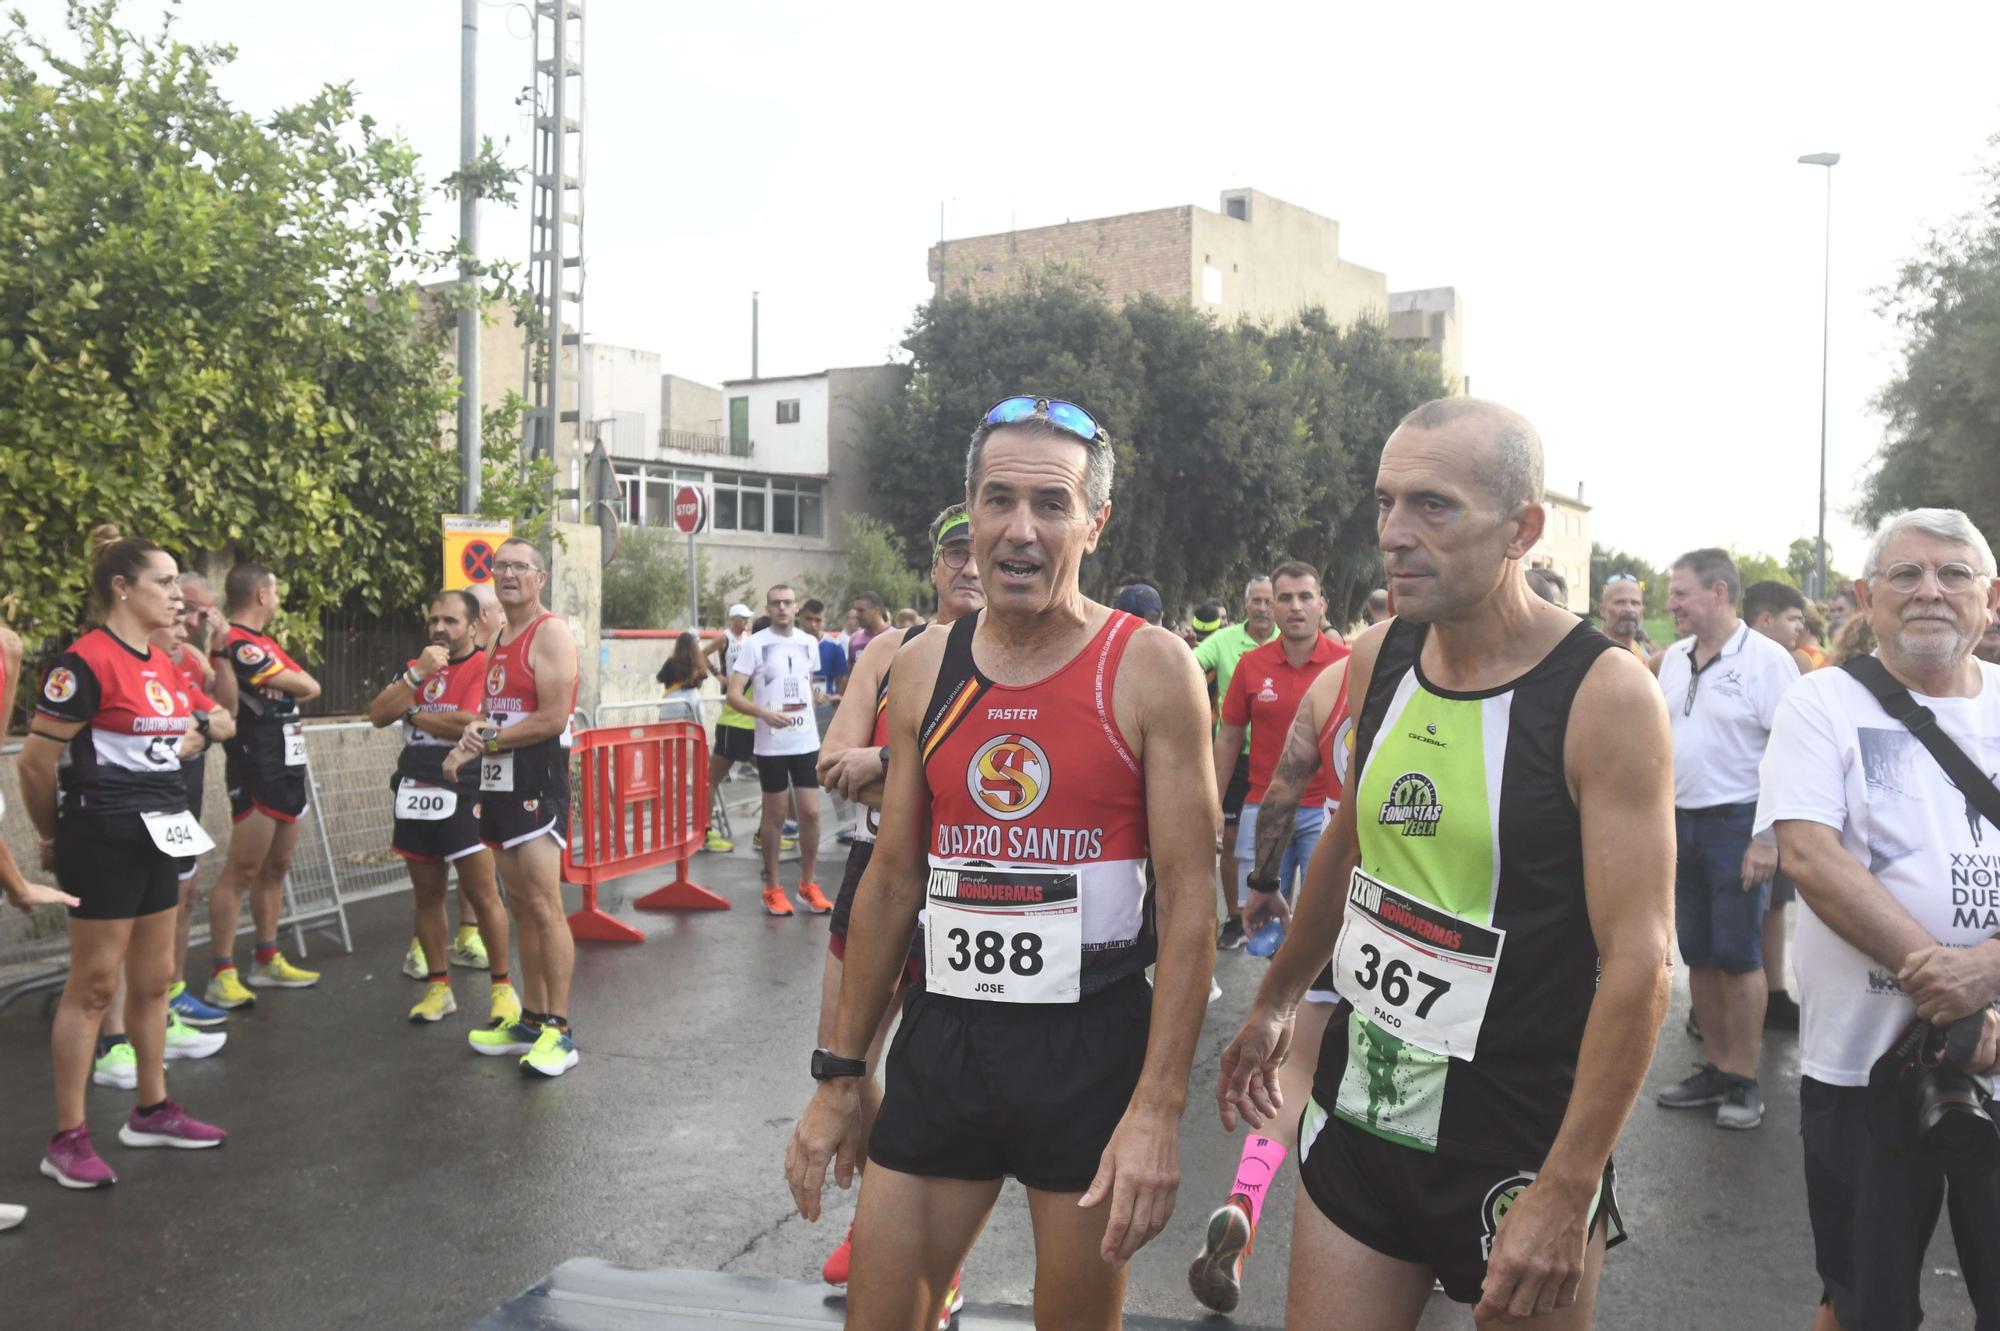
739	610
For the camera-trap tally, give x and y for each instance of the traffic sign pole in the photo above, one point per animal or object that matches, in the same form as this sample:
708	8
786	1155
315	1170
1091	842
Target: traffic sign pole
690	515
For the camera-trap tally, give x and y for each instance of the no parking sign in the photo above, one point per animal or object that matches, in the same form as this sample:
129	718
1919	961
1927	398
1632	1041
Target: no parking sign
470	544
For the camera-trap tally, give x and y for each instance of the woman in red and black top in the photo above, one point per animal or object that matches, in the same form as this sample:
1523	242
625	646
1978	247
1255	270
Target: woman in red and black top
101	776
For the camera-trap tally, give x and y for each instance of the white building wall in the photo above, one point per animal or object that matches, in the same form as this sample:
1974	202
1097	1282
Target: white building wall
798	448
622	399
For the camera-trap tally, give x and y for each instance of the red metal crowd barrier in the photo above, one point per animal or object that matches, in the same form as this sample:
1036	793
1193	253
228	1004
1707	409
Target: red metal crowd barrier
641	800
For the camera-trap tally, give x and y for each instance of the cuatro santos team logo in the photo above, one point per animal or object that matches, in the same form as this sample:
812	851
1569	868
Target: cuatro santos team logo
1412	805
1009	776
249	653
496	679
434	687
156	694
61	685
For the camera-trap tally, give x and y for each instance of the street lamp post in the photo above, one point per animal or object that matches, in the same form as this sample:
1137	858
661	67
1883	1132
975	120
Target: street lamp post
1827	160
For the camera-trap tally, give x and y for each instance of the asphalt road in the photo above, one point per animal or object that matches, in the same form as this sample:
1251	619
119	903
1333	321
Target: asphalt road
379	1174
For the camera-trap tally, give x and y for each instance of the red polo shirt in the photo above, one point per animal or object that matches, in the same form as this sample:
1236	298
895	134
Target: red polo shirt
1264	694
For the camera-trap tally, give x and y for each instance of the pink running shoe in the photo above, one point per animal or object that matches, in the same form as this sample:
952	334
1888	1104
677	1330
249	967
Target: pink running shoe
169	1125
73	1162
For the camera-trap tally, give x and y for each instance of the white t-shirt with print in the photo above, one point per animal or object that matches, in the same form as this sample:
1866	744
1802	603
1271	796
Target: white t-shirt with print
780	667
1721	723
1837	758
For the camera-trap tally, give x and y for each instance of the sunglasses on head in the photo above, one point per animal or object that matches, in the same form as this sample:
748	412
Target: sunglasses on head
1063	415
1621	577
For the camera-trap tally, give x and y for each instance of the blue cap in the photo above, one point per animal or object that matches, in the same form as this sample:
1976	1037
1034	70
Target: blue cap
1142	600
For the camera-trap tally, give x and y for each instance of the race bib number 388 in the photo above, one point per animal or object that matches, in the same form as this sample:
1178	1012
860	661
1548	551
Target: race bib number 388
1004	935
1415	969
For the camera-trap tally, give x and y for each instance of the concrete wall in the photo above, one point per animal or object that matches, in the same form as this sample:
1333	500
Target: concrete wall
858	396
798	448
1434	316
1565	546
623	398
1276	261
576	592
690	408
1132	255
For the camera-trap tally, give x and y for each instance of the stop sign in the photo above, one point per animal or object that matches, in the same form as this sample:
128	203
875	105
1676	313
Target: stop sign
690	509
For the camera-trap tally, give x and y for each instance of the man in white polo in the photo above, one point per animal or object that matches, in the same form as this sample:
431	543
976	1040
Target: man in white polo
1722	683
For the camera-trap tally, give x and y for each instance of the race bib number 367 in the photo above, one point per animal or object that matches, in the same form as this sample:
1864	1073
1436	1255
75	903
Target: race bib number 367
1415	969
1004	935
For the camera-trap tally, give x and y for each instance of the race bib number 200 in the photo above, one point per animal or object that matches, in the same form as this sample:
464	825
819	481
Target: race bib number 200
416	802
1004	935
1415	969
295	745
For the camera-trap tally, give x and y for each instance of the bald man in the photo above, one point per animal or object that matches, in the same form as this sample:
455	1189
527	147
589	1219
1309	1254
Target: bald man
1485	1066
1622	608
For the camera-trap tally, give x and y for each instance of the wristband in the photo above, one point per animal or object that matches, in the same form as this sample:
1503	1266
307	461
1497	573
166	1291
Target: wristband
201	723
413	679
493	744
1264	885
827	1066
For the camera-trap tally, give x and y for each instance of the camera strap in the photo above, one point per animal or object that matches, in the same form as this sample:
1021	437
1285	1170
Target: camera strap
1975	785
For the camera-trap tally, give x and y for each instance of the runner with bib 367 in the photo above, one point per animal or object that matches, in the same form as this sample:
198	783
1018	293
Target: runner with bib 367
1495	893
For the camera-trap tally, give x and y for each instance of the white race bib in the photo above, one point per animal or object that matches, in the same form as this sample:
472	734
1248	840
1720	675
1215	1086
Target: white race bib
295	744
1416	970
1004	935
496	772
178	834
419	803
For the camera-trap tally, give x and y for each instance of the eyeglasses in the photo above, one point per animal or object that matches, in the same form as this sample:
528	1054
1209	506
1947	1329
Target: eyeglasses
955	556
514	566
1615	578
1063	415
1951	578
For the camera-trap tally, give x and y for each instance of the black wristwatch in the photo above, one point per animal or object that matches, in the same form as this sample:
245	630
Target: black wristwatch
885	757
1265	885
201	723
826	1067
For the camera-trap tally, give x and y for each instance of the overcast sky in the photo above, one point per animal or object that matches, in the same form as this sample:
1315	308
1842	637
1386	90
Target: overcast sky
1613	192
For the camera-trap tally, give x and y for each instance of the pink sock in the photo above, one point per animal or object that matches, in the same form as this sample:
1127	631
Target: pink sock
1254	1172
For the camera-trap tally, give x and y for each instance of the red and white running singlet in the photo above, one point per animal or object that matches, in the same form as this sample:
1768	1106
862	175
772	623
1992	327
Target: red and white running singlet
1038	889
511	696
459	687
1336	742
126	759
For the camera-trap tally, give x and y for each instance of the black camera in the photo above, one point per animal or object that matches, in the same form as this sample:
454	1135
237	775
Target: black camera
1921	1102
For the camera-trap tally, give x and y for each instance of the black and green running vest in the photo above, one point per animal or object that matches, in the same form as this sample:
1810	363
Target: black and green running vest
1463	810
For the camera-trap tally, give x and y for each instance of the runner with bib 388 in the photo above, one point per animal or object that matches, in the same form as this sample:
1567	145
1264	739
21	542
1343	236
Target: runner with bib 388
1496	895
1040	751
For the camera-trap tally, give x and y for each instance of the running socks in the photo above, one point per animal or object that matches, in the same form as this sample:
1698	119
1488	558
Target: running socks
222	964
143	1110
499	981
439	977
267	952
106	1043
1254	1172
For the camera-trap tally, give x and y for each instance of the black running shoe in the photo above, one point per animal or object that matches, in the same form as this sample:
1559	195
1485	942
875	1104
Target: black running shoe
1232	936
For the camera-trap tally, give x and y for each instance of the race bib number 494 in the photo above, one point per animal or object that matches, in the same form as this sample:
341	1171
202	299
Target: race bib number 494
178	834
1004	935
1416	970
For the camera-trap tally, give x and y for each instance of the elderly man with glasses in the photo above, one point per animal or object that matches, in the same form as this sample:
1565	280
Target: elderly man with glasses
1722	683
1894	860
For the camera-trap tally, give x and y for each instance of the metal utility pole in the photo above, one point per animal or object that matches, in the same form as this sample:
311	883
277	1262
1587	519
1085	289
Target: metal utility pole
1827	160
468	259
555	224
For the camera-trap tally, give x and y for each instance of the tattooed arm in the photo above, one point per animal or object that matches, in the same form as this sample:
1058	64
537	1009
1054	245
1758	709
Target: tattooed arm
1298	764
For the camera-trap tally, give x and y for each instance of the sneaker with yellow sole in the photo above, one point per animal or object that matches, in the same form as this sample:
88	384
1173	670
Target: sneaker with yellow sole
225	990
515	1037
117	1068
468	950
554	1053
717	844
505	1007
277	973
414	964
436	1004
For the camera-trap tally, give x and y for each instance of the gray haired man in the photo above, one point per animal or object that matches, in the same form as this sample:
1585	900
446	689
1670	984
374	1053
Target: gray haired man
1895	871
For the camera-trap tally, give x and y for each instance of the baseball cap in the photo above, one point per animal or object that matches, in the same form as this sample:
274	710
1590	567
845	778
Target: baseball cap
1140	599
739	611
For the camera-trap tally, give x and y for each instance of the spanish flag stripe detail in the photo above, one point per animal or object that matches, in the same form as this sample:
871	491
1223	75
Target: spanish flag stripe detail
968	693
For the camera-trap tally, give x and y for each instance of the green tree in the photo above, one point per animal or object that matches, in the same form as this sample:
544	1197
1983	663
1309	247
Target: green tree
645	585
876	562
212	328
1943	405
1757	566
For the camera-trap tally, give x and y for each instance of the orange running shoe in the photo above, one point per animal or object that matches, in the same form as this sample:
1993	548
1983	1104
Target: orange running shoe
954	1300
775	901
835	1270
815	899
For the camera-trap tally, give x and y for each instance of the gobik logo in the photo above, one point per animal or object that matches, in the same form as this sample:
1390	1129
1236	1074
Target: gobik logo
1009	776
1412	805
1499	1200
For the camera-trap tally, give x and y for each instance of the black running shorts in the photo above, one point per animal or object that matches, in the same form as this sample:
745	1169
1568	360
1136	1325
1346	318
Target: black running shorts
1239	790
1416	1206
194	776
110	864
735	744
507	821
983	1090
778	773
441	840
261	781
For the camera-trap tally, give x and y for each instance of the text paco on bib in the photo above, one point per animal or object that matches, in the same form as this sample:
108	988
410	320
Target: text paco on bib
1415	969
